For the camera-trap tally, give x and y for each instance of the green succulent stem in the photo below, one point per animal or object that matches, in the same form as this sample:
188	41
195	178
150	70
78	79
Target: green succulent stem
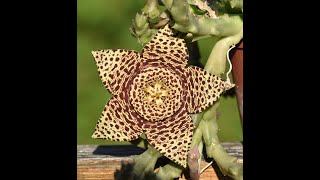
216	63
169	171
188	22
151	8
145	162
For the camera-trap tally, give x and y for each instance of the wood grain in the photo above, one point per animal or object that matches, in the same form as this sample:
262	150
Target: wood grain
100	162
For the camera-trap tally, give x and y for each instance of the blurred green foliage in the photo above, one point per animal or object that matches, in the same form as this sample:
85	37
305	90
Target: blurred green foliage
104	24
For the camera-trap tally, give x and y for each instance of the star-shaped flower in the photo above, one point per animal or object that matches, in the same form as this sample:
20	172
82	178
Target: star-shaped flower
153	93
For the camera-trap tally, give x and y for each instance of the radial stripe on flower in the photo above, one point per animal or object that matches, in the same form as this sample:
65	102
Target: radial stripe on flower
115	67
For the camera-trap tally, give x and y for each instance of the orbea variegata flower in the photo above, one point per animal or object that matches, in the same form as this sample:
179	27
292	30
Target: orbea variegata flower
153	93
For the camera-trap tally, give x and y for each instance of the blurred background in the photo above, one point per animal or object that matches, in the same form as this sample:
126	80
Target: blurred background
104	24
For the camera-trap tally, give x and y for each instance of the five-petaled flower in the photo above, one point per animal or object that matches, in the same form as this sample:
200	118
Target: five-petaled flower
153	93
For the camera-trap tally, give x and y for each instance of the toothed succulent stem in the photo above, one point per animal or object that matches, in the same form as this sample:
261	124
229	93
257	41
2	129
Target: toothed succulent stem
151	9
145	162
199	25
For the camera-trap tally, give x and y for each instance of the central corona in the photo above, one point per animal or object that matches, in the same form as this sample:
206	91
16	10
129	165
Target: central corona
155	93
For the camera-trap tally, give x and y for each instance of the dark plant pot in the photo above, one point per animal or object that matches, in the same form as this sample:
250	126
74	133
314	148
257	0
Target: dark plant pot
237	73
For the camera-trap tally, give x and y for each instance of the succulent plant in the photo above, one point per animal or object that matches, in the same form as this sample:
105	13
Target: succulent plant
160	100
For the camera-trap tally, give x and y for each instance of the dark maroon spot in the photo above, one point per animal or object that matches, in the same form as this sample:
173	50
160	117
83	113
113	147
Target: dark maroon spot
179	44
171	43
164	145
152	54
117	126
118	116
126	128
152	131
174	147
165	34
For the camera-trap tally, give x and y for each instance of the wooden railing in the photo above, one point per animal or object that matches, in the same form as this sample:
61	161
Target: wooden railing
100	162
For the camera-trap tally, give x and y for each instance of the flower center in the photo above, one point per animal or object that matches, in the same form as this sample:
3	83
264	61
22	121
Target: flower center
155	93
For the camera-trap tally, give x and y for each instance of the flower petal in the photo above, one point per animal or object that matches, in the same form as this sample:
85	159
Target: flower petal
203	89
165	49
117	122
172	136
115	67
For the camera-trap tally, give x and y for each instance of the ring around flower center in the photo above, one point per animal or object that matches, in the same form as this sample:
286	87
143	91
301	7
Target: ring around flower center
155	93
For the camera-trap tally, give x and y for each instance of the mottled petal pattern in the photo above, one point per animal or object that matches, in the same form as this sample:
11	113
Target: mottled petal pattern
115	67
171	137
117	122
164	49
153	94
203	89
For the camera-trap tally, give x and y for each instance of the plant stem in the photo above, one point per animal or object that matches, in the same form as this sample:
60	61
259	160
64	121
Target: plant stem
169	171
188	22
145	162
216	63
